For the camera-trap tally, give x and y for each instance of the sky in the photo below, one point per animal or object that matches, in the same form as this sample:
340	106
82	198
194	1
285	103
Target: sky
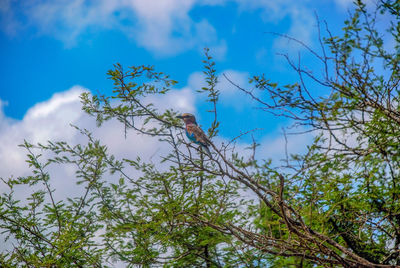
53	50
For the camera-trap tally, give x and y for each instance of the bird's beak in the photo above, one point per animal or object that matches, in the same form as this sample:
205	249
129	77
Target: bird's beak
180	117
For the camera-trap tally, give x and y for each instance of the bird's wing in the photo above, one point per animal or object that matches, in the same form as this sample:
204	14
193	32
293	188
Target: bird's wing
199	134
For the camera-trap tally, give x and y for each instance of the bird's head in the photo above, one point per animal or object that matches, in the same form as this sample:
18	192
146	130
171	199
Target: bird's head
187	118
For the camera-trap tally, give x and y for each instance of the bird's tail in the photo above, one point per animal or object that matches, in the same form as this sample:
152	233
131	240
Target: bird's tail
205	148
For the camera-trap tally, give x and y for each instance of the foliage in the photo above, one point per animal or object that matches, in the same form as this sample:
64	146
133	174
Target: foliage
336	205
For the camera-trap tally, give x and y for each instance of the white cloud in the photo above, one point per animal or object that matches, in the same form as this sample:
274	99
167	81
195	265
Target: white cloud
45	121
51	119
300	14
274	146
162	27
44	109
230	95
180	100
237	77
8	22
196	81
302	28
347	4
66	20
344	4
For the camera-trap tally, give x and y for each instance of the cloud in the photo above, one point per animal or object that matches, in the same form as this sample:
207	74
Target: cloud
230	95
45	121
347	4
165	28
300	15
344	4
180	100
237	77
8	21
51	119
66	20
162	27
302	28
274	146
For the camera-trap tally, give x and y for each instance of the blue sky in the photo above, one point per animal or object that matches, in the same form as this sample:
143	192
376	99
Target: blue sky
62	47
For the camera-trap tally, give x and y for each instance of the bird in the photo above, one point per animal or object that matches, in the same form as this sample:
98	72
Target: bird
194	132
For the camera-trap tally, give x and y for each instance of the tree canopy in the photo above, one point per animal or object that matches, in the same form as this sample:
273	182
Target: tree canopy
337	205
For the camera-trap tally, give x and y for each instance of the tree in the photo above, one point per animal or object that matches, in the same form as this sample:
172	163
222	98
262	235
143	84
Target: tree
336	205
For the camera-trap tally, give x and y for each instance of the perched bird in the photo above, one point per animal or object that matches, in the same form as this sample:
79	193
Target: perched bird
194	132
